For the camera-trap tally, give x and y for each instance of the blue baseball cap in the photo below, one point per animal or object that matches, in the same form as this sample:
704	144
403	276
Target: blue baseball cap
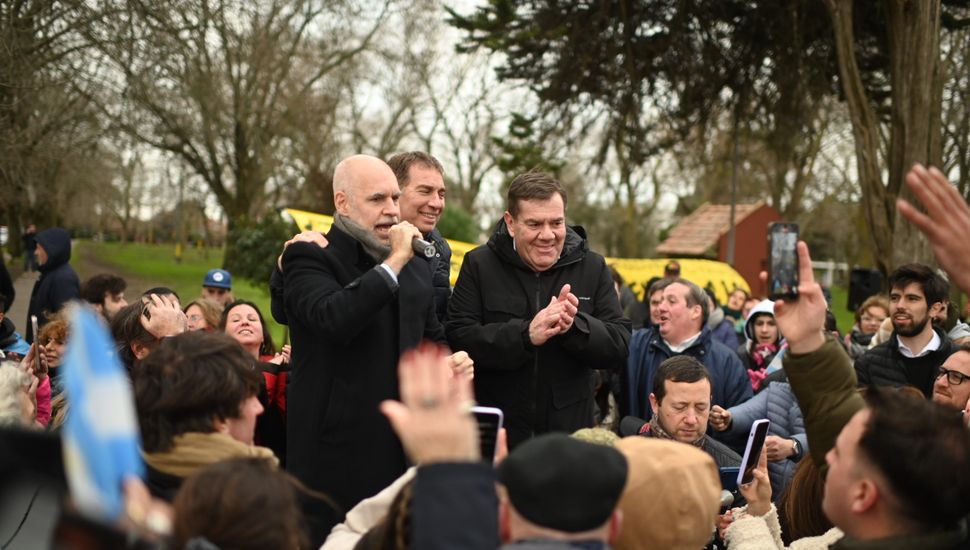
218	278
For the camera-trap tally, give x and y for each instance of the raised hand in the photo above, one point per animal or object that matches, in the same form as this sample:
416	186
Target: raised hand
433	418
946	223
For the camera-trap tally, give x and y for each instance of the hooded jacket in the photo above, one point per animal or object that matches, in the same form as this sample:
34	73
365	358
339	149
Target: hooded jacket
58	283
549	387
10	339
744	350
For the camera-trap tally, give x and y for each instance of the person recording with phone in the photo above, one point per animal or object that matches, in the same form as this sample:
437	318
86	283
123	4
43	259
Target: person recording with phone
895	466
786	443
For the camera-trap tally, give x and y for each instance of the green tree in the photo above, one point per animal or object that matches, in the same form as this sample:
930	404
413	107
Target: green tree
666	71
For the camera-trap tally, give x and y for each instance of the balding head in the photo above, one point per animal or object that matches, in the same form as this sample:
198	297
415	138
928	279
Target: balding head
365	190
349	172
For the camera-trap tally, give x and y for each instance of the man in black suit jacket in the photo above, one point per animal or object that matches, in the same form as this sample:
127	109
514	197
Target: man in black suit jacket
353	308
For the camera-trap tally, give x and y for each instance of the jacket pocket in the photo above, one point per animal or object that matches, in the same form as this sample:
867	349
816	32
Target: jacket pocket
502	307
336	409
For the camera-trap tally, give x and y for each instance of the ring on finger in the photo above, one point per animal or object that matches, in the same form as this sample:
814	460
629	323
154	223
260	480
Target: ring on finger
428	403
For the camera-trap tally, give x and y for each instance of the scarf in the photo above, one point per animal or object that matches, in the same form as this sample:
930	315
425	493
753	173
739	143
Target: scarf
761	354
654	430
374	247
195	450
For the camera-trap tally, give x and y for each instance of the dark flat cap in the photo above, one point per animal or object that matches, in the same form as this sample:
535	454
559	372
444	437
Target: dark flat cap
561	483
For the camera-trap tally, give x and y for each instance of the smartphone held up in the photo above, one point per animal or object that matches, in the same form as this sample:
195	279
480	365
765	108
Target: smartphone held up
782	260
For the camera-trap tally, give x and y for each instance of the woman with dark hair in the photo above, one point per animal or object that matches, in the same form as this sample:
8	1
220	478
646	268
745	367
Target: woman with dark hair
195	396
800	506
243	321
240	503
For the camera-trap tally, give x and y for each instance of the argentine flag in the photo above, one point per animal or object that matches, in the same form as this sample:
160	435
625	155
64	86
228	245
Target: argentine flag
100	435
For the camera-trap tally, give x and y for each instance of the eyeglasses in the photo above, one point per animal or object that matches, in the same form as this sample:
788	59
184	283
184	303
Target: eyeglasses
953	377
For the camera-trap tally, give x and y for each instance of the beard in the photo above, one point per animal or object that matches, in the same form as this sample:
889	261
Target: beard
913	329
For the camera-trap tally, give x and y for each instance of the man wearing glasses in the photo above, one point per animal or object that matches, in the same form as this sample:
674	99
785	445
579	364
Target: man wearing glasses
952	386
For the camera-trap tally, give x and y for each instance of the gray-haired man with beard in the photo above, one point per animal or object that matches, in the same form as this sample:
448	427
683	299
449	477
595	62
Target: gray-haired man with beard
913	354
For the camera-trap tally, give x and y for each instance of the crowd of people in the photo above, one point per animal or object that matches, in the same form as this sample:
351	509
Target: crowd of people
625	422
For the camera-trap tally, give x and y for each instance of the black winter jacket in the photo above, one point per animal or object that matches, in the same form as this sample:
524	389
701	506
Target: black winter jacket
440	274
58	283
546	388
884	365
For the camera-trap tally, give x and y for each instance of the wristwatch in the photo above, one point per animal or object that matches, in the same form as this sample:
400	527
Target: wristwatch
797	447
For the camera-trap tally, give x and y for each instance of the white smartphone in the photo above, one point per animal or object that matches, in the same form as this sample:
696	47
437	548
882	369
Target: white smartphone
756	440
489	421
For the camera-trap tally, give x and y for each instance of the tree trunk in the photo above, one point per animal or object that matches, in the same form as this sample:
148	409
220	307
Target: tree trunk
914	59
916	131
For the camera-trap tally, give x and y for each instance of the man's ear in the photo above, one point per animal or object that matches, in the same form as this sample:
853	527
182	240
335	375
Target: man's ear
654	405
508	223
341	202
504	529
696	312
865	494
221	426
616	525
935	308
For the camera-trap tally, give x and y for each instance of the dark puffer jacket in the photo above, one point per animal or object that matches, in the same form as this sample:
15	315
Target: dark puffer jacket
884	365
58	283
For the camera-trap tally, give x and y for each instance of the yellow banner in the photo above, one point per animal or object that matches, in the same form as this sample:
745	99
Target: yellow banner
637	272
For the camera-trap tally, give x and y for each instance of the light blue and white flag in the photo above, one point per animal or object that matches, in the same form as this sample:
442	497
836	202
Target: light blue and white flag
100	435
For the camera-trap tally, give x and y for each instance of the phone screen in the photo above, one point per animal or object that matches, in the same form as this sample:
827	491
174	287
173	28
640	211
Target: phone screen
782	260
756	440
33	326
489	421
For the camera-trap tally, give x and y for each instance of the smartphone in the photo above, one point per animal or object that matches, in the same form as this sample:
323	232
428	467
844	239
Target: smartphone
489	421
756	440
33	326
782	260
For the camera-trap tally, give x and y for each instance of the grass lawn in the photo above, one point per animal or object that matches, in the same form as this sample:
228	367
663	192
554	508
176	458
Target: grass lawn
845	318
145	266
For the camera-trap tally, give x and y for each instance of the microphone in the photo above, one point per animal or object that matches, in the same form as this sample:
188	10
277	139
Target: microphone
727	499
423	247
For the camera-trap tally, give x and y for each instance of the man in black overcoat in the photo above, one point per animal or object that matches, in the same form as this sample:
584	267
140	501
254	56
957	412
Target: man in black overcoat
352	308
